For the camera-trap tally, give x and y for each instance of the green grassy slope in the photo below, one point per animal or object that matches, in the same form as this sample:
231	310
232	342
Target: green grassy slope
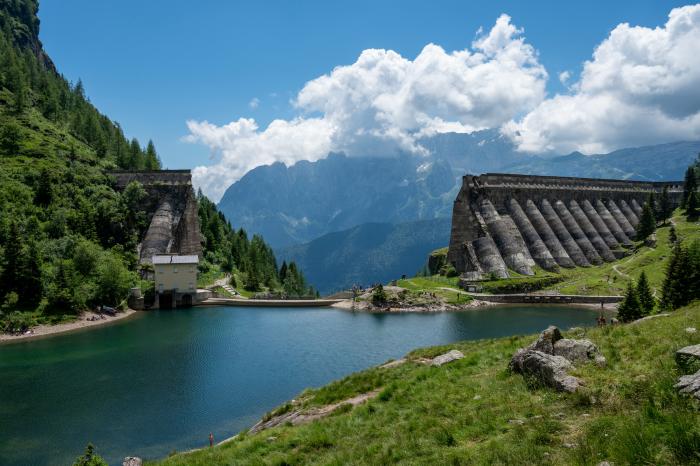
612	278
608	279
473	411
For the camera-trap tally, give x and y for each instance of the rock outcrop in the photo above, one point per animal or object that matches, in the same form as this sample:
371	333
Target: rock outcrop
690	384
550	357
446	358
688	359
503	222
132	461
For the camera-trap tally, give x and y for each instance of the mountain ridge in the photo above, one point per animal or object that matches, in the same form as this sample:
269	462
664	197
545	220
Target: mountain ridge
296	204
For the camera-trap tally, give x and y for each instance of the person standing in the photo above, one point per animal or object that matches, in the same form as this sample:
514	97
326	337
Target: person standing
211	439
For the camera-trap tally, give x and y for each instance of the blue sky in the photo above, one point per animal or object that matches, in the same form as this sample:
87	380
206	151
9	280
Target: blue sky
153	65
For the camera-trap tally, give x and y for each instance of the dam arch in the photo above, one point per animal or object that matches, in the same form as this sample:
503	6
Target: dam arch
507	222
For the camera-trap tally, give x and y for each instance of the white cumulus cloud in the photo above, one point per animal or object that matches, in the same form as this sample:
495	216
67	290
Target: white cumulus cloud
383	103
642	86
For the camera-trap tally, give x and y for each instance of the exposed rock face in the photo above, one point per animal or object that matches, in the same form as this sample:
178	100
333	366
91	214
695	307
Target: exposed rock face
504	221
172	208
132	461
550	357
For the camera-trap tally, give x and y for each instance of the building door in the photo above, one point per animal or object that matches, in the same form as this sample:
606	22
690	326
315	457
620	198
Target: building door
165	300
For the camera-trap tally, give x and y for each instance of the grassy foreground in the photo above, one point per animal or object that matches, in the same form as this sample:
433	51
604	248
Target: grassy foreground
473	411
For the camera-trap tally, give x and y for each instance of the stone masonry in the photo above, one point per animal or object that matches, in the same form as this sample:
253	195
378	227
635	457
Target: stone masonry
504	222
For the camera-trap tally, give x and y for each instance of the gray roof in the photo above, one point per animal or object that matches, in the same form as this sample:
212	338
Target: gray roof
175	259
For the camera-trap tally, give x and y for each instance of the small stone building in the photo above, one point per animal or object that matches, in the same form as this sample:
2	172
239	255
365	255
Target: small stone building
175	280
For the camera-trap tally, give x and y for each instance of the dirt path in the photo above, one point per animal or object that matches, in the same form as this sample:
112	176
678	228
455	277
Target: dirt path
82	323
617	271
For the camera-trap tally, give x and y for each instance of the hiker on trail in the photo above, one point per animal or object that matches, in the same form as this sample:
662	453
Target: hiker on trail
211	439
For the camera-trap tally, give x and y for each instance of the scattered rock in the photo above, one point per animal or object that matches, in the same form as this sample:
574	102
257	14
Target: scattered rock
519	422
546	340
549	358
446	358
132	461
476	397
550	370
569	445
575	350
690	330
604	463
690	384
600	361
689	352
614	321
688	358
271	439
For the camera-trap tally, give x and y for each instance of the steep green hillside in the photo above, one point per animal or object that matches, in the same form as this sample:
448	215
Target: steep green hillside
472	411
67	237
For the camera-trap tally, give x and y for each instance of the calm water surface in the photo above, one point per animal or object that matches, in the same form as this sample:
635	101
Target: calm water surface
163	380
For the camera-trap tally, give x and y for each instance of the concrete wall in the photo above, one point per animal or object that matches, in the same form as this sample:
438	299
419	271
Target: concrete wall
171	206
503	222
179	277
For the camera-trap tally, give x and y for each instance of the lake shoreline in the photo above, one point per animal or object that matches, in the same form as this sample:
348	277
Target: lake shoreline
82	323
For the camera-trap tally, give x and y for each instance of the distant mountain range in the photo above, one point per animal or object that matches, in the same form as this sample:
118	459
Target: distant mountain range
296	204
349	220
368	253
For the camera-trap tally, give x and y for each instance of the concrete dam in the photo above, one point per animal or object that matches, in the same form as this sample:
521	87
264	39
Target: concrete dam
171	207
504	222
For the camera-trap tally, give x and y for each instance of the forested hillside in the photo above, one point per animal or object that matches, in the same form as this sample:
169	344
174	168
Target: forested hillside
67	237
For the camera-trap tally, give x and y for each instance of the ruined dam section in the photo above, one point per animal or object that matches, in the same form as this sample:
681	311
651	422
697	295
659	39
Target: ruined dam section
503	222
171	207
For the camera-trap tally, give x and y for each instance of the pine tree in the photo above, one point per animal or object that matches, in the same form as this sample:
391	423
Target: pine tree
647	224
691	208
672	236
283	271
665	207
674	290
152	159
646	299
629	308
690	185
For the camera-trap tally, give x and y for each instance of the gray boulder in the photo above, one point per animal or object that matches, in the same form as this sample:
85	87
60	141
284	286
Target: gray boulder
546	340
549	370
132	461
575	350
447	357
690	384
688	358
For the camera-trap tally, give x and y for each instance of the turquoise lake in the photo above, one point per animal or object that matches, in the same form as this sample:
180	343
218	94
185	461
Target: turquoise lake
161	381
